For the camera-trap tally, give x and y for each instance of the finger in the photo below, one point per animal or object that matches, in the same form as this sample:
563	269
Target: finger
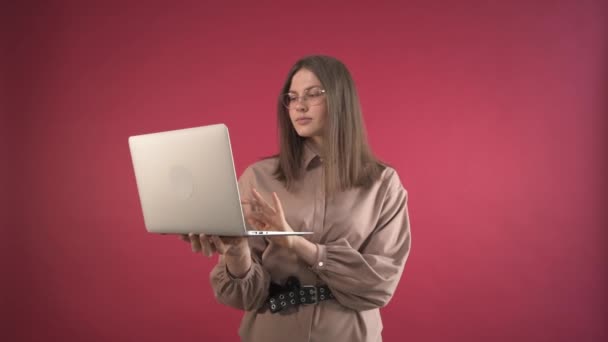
277	202
185	237
219	244
257	225
195	243
254	201
261	201
207	247
259	216
231	240
264	206
248	206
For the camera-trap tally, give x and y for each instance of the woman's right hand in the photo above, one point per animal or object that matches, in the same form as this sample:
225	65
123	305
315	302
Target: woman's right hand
235	250
226	245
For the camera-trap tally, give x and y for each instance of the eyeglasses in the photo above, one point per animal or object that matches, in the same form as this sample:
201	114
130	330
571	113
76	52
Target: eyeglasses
312	97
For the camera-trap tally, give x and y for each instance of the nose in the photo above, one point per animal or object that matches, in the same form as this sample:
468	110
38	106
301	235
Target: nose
301	105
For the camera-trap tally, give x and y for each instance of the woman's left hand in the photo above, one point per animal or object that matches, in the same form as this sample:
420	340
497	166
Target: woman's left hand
263	216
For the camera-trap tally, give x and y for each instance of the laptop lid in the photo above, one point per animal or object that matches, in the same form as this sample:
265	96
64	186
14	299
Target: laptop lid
187	182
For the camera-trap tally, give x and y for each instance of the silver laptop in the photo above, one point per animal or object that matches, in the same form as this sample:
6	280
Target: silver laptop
187	183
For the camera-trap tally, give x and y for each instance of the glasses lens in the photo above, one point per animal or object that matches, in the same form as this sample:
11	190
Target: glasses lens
312	98
315	97
288	100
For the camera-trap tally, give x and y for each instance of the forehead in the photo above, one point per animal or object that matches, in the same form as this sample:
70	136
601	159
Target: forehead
304	79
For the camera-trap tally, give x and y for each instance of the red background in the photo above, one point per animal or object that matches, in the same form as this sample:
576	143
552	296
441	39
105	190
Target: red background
493	113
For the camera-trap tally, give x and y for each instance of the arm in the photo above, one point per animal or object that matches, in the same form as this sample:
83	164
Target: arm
365	279
360	279
246	291
239	280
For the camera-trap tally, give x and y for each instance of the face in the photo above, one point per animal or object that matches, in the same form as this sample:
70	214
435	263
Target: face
308	113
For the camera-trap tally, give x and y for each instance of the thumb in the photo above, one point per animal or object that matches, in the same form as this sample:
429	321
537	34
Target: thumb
219	244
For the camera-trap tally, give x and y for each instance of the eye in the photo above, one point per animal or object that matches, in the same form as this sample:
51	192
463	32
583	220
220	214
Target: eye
291	97
315	92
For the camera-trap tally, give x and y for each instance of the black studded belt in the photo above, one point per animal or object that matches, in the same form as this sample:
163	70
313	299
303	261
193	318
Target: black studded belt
293	294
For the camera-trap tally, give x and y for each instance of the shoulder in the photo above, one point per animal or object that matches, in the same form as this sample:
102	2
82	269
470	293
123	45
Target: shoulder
261	169
391	181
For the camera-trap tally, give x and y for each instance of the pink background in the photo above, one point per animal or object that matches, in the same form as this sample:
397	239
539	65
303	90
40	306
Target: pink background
493	113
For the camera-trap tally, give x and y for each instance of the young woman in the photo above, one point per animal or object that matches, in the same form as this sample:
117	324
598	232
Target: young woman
327	286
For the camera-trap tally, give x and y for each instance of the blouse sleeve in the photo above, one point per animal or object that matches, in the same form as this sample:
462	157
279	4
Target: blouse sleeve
366	279
250	291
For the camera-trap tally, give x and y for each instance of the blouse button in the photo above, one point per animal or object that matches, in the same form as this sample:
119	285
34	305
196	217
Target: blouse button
320	263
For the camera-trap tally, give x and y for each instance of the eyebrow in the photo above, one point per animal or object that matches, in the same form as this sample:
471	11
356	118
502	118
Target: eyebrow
305	89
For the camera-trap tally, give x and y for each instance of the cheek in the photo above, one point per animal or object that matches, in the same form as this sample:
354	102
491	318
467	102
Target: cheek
322	115
293	115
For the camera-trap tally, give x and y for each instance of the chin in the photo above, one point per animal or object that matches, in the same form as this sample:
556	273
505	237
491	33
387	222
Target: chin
305	133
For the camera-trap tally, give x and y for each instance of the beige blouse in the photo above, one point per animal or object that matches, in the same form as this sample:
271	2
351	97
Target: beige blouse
363	238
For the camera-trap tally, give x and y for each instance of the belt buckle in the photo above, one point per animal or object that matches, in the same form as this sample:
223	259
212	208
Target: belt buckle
310	290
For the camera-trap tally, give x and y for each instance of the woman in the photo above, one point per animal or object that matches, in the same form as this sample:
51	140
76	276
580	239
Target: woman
328	286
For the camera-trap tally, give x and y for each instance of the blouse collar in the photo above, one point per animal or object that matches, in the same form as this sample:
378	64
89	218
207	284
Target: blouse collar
309	154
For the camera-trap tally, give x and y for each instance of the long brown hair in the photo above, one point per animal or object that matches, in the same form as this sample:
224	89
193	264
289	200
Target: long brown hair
348	160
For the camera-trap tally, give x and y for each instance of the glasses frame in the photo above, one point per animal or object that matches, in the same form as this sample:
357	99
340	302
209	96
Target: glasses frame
304	98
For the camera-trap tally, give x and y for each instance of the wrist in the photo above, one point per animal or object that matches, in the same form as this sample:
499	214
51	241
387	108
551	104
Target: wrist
305	249
238	265
238	251
295	243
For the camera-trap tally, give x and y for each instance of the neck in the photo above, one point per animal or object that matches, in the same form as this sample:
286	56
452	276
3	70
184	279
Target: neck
317	144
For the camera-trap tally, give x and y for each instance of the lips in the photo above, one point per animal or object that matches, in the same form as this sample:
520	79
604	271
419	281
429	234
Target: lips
303	119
